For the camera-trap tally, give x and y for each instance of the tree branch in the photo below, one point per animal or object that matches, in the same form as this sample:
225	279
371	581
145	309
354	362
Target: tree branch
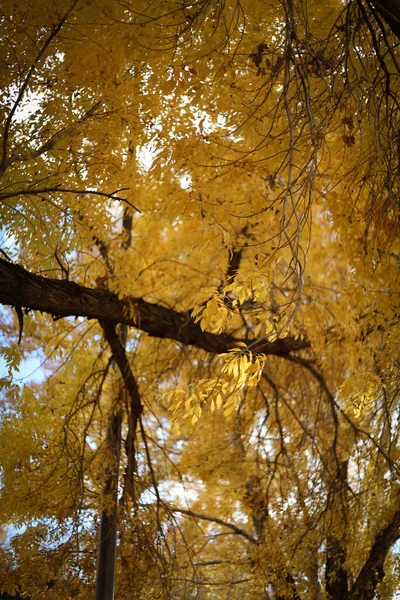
231	526
389	10
372	572
336	577
55	189
62	298
54	32
105	572
135	404
50	143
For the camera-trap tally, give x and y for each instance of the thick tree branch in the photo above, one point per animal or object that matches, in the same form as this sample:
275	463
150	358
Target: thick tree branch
335	574
135	405
62	298
108	523
121	359
372	572
389	10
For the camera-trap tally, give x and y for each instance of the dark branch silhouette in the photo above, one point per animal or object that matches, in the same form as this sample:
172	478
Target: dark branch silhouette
62	298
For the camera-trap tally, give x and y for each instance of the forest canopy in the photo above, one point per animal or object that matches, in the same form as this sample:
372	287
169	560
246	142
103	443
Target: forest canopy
200	245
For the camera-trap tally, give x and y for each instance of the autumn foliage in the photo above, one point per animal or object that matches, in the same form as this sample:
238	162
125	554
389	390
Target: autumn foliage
200	242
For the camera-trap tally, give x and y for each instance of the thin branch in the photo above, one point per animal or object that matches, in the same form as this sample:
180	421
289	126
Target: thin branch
229	582
321	379
50	143
54	32
39	191
231	526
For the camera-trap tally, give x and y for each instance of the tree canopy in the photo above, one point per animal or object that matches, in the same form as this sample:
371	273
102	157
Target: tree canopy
200	241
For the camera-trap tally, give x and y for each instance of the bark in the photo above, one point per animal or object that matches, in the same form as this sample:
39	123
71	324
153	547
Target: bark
108	525
335	574
62	298
389	10
105	583
119	354
135	406
373	572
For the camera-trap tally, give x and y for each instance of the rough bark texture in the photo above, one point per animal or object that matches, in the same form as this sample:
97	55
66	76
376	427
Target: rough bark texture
20	288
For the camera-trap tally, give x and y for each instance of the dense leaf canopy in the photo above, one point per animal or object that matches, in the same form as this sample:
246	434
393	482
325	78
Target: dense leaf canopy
200	241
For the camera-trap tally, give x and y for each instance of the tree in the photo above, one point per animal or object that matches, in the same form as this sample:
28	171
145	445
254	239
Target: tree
200	221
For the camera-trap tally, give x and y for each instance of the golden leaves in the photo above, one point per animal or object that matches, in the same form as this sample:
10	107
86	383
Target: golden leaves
212	313
241	368
361	390
228	154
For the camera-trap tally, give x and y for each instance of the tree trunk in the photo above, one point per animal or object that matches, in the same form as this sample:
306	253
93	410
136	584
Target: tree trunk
105	575
108	525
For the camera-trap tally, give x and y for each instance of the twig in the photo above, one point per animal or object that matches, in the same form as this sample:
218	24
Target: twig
231	526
